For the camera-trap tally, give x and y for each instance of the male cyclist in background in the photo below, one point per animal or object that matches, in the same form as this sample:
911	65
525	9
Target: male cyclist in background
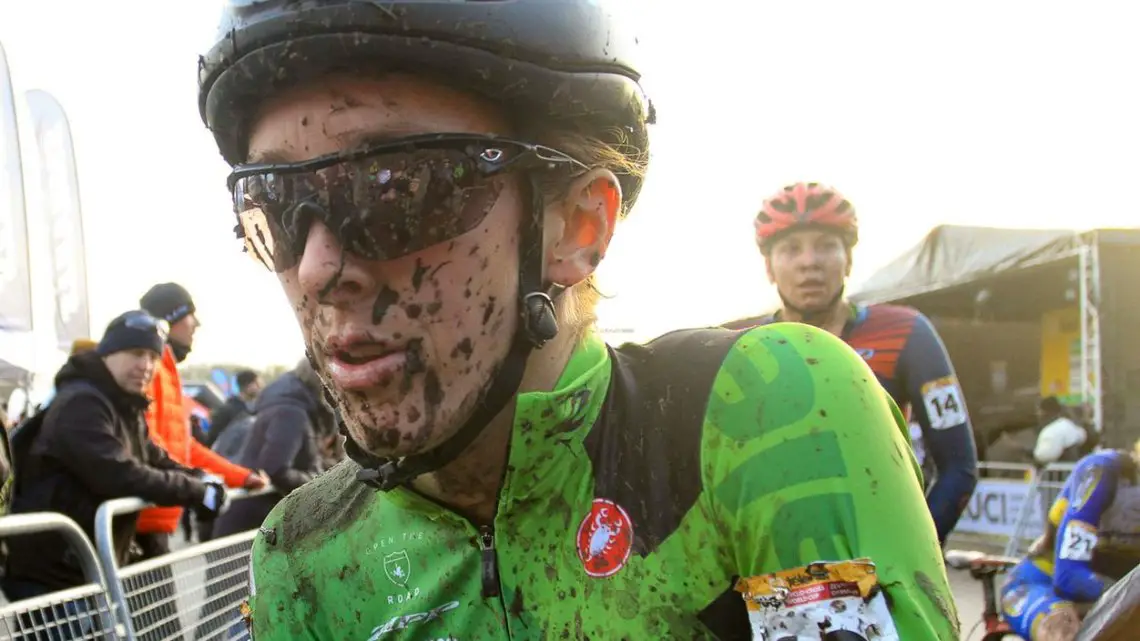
806	232
1092	538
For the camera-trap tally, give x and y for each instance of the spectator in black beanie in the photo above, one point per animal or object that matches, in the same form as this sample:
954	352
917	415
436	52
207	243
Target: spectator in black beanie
173	304
167	417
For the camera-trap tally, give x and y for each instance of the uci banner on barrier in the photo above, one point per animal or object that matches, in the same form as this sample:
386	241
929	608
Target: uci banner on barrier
996	506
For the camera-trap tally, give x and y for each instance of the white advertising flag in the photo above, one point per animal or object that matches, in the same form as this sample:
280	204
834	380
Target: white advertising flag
59	200
15	272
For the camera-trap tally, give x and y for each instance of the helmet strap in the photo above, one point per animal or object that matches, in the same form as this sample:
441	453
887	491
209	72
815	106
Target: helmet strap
537	325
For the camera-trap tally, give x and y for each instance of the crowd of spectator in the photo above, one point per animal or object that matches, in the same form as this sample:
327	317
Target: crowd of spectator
117	425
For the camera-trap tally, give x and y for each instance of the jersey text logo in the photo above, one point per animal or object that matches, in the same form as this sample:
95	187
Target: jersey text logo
1086	485
398	567
1013	603
605	539
403	622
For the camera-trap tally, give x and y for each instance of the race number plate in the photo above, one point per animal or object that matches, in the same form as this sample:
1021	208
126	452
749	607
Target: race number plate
1078	542
943	401
818	599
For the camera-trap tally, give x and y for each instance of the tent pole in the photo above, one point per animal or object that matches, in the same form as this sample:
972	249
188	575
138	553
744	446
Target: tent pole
1089	259
1096	349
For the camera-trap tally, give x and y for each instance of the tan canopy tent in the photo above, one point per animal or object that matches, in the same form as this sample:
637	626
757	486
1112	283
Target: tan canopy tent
951	255
984	279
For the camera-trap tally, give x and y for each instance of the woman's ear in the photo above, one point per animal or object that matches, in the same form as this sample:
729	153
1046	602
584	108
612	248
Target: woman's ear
579	226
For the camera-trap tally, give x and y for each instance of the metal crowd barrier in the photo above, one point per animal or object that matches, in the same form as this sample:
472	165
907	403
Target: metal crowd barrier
191	594
1006	471
990	517
79	613
1043	492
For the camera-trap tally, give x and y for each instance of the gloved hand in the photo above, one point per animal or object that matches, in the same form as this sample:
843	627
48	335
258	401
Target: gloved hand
213	501
256	480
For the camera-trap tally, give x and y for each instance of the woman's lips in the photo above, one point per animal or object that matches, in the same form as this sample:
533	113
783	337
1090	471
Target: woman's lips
359	376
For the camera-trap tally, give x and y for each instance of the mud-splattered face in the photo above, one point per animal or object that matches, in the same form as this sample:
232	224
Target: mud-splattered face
407	345
808	268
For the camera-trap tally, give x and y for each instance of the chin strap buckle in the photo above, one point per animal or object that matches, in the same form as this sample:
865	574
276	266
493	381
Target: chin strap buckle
383	477
540	323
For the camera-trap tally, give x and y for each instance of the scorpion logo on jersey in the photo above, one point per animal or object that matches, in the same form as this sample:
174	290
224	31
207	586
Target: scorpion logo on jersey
605	539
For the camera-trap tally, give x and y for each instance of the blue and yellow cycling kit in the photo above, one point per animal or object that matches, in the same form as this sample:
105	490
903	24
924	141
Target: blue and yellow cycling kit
1092	538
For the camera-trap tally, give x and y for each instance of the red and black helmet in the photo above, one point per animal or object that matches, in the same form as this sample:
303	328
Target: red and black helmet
806	205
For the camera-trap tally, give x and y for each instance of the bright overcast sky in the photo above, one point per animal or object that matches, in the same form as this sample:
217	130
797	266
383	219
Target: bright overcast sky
1019	114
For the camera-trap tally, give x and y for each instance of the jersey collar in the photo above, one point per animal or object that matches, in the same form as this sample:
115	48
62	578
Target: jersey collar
574	402
547	424
545	421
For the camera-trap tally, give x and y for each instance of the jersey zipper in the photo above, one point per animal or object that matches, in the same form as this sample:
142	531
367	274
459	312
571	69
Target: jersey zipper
490	563
490	573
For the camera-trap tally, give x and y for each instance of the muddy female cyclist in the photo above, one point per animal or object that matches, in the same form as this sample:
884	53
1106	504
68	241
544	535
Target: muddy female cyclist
434	184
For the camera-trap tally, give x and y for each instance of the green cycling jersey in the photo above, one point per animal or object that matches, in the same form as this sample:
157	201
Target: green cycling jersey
637	492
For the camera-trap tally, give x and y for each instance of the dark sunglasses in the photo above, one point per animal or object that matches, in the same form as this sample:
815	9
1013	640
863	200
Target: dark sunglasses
383	201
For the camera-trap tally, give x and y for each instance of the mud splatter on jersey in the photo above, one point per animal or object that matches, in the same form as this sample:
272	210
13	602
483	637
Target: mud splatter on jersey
906	354
638	491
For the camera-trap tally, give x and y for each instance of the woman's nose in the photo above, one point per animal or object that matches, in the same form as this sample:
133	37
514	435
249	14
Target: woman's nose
329	274
809	258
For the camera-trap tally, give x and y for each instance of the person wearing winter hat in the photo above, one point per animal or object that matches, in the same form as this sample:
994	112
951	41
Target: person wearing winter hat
91	446
169	417
173	304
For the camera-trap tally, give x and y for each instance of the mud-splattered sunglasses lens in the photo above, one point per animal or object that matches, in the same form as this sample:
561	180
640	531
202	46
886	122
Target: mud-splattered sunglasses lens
379	208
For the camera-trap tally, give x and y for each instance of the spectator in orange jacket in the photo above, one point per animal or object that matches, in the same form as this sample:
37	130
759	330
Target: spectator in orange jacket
169	418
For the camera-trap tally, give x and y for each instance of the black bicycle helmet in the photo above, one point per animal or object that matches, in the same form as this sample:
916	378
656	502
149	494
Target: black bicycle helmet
567	59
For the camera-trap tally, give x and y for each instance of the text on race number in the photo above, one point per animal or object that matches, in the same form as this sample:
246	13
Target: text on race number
1079	541
943	401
